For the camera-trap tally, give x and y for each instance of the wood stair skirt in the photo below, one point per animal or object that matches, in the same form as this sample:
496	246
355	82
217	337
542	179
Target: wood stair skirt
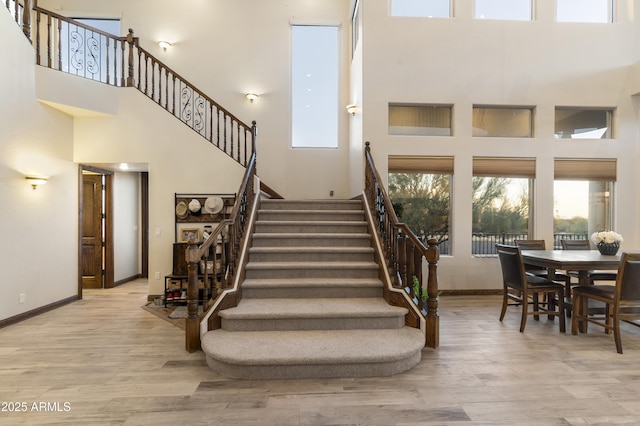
312	302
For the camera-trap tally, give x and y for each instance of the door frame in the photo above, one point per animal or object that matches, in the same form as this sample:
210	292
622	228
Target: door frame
108	225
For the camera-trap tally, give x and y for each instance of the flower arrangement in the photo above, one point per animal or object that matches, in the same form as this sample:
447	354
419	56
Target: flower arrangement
606	237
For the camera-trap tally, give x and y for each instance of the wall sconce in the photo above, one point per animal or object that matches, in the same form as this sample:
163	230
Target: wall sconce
251	96
36	181
164	45
352	109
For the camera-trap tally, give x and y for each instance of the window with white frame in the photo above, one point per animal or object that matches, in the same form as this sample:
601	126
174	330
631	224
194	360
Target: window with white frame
314	86
420	191
584	11
583	123
420	119
583	197
421	8
502	121
502	194
513	10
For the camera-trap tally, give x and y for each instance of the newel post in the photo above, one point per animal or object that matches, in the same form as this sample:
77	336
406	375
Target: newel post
130	79
192	336
433	320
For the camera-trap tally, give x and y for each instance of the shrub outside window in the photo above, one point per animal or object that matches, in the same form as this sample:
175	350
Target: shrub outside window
420	190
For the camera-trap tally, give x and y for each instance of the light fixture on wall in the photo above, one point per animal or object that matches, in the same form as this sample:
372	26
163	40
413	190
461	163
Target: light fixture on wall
353	109
164	45
251	96
36	181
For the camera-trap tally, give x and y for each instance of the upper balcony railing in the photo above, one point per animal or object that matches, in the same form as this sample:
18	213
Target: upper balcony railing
75	48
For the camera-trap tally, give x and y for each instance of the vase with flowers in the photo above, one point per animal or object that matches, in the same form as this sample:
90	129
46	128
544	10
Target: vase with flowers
608	242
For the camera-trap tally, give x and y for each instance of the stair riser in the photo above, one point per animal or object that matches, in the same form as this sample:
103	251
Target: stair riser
312	227
364	256
314	371
289	324
310	205
302	215
257	273
311	241
312	292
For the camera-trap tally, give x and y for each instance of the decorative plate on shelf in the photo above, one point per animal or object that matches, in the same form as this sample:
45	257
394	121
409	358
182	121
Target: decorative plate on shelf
213	205
182	211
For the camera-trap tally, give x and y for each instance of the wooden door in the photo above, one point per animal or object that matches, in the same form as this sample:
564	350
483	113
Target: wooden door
92	254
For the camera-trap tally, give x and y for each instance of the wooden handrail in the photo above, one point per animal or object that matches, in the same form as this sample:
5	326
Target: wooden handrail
404	253
94	54
230	232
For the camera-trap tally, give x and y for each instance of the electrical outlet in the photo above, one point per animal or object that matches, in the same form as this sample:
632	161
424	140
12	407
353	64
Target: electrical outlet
158	232
22	297
331	193
157	275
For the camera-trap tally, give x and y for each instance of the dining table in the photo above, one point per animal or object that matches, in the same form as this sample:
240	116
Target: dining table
581	261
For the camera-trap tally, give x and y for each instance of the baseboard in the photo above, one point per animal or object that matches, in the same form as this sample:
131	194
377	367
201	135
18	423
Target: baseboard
35	312
479	292
126	280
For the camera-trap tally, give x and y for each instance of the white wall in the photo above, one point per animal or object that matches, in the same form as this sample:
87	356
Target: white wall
463	62
229	48
39	244
126	225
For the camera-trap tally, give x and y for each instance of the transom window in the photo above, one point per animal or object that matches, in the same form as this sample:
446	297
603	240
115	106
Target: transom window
421	8
581	123
423	119
515	10
502	121
584	11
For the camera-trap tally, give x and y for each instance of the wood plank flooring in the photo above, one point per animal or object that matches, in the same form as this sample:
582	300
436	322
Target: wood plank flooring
106	361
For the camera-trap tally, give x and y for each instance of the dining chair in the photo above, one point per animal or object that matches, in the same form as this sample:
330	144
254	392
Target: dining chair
525	289
622	300
542	272
592	275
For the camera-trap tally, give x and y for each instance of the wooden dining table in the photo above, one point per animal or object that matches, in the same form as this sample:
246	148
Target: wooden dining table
581	261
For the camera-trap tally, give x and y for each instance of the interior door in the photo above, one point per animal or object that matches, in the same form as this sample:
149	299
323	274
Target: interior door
92	253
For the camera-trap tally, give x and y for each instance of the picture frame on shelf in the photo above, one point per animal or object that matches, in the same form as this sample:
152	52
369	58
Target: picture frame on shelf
188	233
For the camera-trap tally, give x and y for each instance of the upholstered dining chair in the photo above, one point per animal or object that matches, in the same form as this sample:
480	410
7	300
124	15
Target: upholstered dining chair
622	300
593	275
525	289
541	272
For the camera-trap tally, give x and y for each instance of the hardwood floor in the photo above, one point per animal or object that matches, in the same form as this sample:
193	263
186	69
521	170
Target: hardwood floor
105	360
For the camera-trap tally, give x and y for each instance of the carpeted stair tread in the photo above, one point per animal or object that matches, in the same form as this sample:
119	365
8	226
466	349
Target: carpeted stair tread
316	308
312	346
311	265
312	204
312	249
311	282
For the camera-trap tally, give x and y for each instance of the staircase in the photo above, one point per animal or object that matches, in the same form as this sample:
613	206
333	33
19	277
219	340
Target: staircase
312	303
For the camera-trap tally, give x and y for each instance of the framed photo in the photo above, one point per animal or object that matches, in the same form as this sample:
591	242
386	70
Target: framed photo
189	233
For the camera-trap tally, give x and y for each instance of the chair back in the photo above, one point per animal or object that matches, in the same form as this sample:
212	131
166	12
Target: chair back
530	244
628	282
512	266
575	245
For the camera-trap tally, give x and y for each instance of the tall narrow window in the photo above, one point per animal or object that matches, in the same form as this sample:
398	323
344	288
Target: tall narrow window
314	86
502	193
420	190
